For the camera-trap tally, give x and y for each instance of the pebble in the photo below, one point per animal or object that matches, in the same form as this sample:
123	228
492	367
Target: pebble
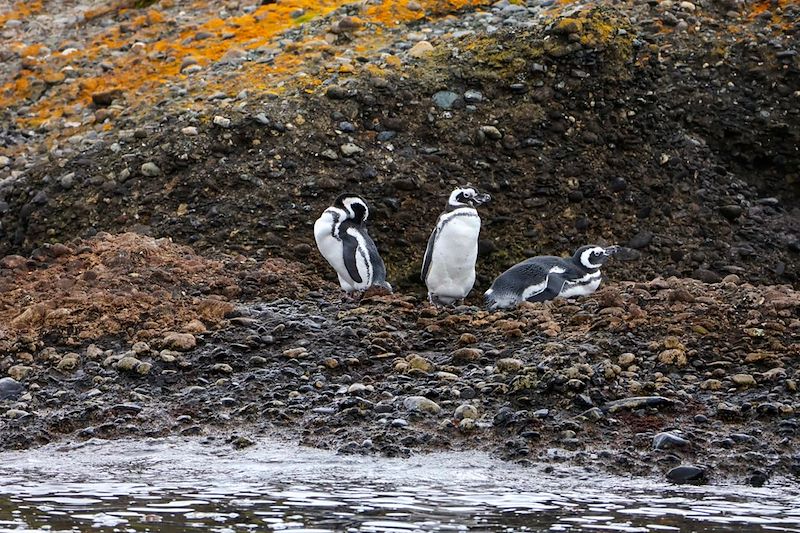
421	404
687	474
491	132
222	122
150	169
10	388
743	380
465	411
19	372
473	97
16	414
189	130
509	364
349	149
445	99
179	341
421	49
668	441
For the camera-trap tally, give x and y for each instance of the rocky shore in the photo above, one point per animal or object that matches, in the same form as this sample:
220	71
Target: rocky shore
161	167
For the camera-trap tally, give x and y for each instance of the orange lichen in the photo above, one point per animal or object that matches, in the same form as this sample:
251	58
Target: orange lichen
20	11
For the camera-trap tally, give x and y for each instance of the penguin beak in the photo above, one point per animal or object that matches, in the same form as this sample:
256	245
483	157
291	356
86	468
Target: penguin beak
611	250
482	199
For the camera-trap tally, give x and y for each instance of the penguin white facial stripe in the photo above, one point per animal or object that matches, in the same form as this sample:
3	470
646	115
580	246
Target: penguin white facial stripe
587	255
350	202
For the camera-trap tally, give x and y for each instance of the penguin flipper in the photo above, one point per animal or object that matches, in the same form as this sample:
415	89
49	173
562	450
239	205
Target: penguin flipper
426	261
552	289
350	252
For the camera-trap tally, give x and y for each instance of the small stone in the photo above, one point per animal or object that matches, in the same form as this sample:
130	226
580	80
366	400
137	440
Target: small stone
19	372
329	154
688	6
140	348
179	341
420	363
16	414
336	92
667	441
189	130
466	354
421	404
421	49
69	362
349	149
465	411
223	368
150	169
509	364
144	368
491	132
10	388
687	474
743	380
473	97
626	359
67	180
127	364
637	402
222	122
640	240
445	99
731	212
295	353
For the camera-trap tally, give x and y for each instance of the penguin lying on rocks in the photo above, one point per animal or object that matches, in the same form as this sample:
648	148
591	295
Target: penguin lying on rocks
448	268
547	277
343	240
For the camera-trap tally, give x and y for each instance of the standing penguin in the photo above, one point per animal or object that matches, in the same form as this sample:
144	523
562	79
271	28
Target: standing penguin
343	240
547	277
448	269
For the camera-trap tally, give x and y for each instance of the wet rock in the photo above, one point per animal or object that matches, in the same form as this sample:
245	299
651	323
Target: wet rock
687	474
743	380
10	389
668	441
638	402
731	212
421	404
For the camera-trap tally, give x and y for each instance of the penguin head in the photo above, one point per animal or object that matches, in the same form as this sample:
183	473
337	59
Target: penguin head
466	196
592	256
355	207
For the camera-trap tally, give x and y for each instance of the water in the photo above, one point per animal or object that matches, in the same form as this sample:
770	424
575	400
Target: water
186	485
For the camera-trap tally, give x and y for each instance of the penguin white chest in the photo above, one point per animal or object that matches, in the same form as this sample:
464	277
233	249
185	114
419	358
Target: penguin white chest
452	268
331	247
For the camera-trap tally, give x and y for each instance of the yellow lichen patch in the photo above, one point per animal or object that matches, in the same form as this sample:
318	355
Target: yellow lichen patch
20	11
393	12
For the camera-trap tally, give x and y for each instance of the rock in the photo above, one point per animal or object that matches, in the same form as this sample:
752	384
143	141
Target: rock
668	441
13	262
223	368
466	354
509	364
491	132
179	341
69	362
640	240
106	98
19	372
150	169
128	364
421	404
421	49
706	276
189	131
67	180
349	149
626	359
222	122
10	389
445	99
329	154
473	97
335	92
420	363
16	414
743	380
295	353
687	474
5	161
637	402
465	411
731	212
